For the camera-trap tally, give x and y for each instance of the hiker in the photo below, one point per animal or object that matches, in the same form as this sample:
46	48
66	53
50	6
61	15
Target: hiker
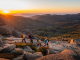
46	42
30	37
38	39
39	43
23	36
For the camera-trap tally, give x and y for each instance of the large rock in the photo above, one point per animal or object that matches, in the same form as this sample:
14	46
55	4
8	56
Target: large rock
50	51
16	33
58	45
17	51
4	59
28	56
6	30
2	22
1	36
67	54
37	55
19	58
27	31
27	49
78	51
8	47
75	41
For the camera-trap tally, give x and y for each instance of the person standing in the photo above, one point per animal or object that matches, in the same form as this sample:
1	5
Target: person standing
46	42
23	36
30	37
38	39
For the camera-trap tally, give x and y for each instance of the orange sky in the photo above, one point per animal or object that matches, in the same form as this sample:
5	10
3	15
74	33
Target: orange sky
39	6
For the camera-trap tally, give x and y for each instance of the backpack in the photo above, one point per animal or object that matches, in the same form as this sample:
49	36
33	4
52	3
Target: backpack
29	36
22	36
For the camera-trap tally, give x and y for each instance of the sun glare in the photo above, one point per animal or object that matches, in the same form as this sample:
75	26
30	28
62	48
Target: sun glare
5	11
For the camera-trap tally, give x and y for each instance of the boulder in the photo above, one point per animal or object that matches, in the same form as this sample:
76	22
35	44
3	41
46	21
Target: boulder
67	54
19	58
27	49
50	51
1	36
2	22
78	51
4	59
5	42
16	33
52	41
6	30
17	51
59	46
37	55
27	31
8	47
29	56
75	41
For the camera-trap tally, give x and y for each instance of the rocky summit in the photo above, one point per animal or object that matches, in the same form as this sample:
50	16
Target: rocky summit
58	50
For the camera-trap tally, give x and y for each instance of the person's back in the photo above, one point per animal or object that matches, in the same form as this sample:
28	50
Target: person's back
29	36
37	39
47	42
23	36
39	42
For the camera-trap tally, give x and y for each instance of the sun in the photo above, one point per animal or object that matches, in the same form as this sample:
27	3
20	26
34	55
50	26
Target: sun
6	11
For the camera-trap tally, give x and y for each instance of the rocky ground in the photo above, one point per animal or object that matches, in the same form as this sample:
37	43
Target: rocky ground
59	50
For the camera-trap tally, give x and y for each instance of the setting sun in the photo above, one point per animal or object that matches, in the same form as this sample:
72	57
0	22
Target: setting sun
5	11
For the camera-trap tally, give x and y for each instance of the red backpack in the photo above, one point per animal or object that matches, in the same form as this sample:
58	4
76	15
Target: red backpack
22	36
29	36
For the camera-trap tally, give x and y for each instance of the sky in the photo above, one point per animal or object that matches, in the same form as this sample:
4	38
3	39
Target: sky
40	6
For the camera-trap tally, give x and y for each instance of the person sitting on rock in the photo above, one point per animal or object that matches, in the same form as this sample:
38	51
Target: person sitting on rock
23	36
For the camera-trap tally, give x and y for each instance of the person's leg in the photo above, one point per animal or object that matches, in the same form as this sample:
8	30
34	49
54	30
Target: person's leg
47	44
30	40
40	44
37	44
24	40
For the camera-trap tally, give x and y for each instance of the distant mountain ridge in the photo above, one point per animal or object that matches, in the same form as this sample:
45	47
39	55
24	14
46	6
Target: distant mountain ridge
57	18
21	23
45	24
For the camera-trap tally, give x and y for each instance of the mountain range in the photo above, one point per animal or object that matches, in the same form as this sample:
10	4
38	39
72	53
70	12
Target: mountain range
47	23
